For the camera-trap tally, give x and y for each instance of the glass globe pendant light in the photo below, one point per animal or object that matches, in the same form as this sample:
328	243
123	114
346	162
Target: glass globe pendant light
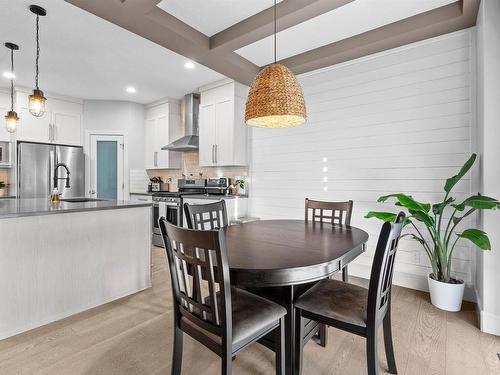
11	120
275	99
37	100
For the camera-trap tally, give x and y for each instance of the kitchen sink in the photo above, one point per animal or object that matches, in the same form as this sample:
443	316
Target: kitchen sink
80	200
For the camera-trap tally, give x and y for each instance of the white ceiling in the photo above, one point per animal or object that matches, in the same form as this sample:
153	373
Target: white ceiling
87	57
351	19
212	16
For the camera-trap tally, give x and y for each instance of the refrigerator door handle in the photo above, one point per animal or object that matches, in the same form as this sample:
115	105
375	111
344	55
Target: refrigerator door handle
52	164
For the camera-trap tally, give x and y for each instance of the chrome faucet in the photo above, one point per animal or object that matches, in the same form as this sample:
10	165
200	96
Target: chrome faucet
58	178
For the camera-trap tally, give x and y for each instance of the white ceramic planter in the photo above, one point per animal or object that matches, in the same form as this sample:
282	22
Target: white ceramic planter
446	296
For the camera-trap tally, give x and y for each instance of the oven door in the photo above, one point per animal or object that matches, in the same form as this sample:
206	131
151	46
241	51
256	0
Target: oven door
169	210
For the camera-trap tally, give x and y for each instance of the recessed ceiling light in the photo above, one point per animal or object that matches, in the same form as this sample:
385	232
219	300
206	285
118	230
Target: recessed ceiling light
189	65
9	75
131	90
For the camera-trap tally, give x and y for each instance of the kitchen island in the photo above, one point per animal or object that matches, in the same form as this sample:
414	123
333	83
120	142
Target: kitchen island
60	259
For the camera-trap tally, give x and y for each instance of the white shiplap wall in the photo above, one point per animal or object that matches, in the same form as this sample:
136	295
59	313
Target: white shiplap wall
398	121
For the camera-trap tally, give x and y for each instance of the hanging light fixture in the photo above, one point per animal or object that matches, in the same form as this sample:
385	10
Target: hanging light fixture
11	119
37	100
276	99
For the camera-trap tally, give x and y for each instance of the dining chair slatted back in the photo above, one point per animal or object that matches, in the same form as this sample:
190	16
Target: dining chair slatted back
206	216
379	290
355	309
329	212
203	300
201	254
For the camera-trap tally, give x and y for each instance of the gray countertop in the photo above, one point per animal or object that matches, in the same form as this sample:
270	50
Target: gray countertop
11	208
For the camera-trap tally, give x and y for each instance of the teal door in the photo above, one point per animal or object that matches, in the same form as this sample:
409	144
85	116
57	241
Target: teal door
107	169
107	166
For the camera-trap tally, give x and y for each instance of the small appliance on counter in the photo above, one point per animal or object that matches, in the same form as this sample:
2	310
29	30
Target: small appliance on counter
218	186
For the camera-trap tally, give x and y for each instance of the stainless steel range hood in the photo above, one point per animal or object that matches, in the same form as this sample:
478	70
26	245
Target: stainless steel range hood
190	141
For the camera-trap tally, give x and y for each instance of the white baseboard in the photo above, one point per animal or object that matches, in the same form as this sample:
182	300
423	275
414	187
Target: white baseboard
490	323
407	280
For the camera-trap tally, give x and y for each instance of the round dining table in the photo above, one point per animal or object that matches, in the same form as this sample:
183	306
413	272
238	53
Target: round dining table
281	259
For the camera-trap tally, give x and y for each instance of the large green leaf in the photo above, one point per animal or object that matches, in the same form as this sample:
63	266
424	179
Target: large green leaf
438	208
423	217
458	219
477	237
385	216
452	181
407	201
480	202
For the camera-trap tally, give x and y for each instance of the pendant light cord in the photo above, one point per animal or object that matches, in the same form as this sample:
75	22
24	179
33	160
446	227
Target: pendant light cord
275	33
12	80
37	51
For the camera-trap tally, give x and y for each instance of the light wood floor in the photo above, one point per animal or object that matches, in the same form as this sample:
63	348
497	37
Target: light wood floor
133	336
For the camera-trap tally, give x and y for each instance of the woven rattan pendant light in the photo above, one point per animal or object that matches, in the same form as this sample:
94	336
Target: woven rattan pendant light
276	99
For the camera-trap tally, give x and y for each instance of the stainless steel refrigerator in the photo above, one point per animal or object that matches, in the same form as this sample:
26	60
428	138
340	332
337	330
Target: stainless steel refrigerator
36	163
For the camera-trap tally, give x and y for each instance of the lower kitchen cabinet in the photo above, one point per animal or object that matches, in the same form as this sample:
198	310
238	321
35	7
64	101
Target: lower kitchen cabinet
141	198
237	207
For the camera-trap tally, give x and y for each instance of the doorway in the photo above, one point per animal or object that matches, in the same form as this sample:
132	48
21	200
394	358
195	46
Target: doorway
107	166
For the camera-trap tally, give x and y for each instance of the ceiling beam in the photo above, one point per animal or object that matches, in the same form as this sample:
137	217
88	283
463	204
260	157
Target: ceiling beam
145	18
261	25
449	18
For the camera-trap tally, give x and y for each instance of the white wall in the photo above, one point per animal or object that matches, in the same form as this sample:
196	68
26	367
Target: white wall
125	118
397	121
488	105
106	115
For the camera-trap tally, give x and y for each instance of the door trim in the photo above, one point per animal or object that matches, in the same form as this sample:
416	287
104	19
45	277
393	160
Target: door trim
126	171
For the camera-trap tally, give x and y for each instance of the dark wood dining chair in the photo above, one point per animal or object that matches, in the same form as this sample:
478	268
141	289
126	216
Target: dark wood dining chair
206	216
330	212
355	309
223	318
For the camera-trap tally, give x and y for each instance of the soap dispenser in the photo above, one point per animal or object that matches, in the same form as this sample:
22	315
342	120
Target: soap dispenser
55	198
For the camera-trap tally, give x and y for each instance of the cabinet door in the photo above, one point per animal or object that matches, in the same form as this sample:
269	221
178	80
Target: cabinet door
224	141
67	128
207	134
161	139
31	128
150	136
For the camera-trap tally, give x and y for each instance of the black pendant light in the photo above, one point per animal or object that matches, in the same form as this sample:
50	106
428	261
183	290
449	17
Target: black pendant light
37	100
11	119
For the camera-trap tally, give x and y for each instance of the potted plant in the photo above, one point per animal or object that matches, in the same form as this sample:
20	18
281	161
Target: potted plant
2	188
239	187
441	235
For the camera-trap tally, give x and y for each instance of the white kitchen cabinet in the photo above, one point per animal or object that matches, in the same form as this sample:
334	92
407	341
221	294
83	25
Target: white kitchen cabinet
61	123
5	136
141	198
236	207
222	129
162	126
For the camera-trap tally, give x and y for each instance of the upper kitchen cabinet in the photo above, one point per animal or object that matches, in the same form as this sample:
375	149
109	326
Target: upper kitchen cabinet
162	126
5	136
222	129
61	123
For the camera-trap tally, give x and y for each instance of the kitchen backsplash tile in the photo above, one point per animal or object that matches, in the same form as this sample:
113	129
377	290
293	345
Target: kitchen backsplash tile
191	168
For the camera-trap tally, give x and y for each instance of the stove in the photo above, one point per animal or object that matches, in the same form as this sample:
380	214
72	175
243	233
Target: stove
168	204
